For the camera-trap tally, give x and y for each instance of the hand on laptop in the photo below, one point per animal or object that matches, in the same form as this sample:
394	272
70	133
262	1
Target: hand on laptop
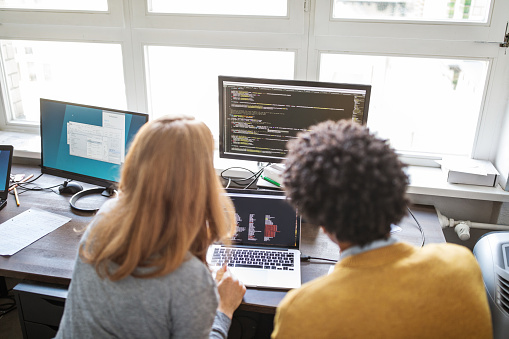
231	291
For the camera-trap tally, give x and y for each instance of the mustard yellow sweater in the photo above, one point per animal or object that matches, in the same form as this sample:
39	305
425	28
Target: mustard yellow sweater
398	291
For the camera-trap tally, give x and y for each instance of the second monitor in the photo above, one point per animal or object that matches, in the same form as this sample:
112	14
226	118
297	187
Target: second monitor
259	116
86	143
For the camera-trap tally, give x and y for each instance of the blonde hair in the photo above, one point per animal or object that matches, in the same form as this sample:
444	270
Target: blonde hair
170	203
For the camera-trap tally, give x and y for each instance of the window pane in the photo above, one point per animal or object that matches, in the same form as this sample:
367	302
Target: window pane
86	73
228	7
183	80
91	5
425	10
420	104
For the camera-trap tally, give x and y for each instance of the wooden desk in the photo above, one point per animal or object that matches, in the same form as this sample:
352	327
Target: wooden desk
51	258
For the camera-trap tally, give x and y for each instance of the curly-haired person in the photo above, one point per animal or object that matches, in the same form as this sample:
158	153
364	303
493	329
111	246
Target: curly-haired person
351	183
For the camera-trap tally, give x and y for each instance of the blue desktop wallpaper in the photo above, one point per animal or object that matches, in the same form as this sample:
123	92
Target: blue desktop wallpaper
55	150
4	166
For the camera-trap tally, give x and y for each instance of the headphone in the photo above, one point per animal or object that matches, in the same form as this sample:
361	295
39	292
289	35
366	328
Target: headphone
108	192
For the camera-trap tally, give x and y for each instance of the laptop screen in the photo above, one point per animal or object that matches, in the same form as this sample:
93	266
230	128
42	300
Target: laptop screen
265	219
5	169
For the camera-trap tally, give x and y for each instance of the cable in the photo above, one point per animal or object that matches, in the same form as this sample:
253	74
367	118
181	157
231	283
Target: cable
229	182
6	307
23	187
230	179
241	181
308	258
28	181
418	226
423	237
325	259
255	178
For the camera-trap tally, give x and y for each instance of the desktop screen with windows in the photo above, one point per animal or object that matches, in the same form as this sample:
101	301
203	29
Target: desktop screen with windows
259	116
86	143
5	163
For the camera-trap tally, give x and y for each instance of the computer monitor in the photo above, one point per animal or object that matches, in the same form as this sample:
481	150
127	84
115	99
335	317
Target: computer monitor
258	117
86	143
5	172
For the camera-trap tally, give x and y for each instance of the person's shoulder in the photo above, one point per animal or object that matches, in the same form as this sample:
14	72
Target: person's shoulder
192	263
447	249
447	254
193	272
308	291
107	207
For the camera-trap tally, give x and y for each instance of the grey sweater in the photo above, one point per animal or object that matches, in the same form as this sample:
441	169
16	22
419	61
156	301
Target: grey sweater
181	304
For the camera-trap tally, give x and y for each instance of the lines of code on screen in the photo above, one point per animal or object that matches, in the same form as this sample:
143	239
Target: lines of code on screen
264	221
260	120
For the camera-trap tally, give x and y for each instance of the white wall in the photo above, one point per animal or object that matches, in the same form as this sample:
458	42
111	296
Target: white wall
501	161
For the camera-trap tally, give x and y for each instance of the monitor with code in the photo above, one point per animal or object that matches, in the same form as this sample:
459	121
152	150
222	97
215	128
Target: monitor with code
259	116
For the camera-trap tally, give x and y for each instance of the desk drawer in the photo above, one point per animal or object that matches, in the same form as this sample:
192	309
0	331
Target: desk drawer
41	309
42	304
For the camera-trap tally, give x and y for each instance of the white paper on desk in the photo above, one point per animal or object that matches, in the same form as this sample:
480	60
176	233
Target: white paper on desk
26	228
467	165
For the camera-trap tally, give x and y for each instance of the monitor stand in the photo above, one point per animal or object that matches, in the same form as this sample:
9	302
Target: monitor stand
105	192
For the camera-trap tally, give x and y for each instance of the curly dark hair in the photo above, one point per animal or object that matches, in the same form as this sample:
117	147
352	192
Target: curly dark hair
342	177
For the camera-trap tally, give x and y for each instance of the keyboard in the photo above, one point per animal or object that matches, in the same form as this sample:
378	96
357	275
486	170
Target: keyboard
253	258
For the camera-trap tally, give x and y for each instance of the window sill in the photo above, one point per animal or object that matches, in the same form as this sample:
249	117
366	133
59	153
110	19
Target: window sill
428	181
431	181
26	146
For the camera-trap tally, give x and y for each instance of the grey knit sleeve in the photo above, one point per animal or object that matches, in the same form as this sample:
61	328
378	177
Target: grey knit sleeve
220	326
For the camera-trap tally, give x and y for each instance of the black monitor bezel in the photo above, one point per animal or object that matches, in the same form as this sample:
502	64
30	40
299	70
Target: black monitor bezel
72	175
10	148
284	82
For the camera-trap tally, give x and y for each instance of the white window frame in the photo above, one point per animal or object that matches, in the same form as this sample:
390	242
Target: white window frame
113	17
292	23
308	30
434	39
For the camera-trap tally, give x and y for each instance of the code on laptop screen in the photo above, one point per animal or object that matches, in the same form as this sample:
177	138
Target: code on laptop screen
265	220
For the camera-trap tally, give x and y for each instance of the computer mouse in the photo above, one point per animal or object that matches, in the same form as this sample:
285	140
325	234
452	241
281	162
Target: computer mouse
69	188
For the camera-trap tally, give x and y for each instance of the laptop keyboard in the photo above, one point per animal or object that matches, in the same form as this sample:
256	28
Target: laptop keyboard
264	259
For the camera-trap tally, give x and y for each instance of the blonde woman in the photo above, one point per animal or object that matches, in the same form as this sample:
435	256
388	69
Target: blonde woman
141	270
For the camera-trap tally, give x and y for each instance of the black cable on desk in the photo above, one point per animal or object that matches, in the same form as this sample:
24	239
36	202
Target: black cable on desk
26	182
419	227
258	174
23	186
308	258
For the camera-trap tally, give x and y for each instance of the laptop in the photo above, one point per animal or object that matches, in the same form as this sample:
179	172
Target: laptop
264	252
5	172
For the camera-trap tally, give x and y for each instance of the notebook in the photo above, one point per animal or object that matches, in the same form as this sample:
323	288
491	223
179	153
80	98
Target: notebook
5	172
264	252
